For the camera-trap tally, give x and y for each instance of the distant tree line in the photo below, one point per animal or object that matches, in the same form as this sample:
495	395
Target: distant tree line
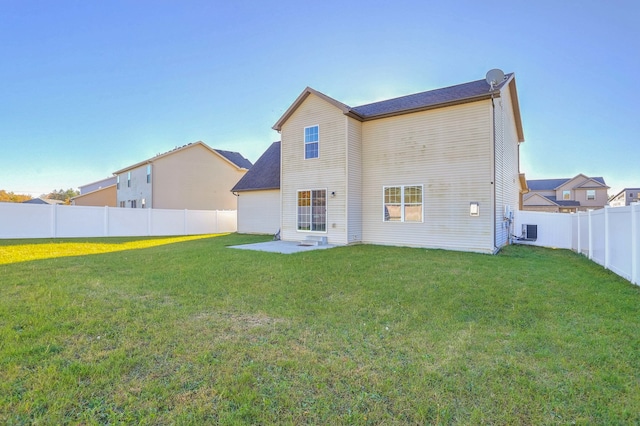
62	195
10	197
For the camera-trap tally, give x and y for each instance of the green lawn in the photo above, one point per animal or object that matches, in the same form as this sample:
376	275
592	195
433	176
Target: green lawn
187	331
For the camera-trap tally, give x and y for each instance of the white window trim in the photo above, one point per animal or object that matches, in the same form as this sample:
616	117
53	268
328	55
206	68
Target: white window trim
402	203
326	213
304	145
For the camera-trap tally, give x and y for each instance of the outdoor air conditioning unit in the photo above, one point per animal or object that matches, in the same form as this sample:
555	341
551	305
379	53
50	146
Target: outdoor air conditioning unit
529	232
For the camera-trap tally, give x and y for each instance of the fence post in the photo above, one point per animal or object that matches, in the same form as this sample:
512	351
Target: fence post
579	248
590	235
149	222
607	251
54	220
634	244
105	222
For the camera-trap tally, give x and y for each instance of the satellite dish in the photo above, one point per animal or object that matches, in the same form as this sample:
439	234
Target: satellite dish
494	77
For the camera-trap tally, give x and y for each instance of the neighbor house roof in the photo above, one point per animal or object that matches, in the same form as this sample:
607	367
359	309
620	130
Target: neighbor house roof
563	203
553	184
235	158
438	98
265	173
43	201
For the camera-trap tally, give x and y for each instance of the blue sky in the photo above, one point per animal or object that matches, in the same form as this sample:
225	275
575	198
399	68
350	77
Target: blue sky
91	87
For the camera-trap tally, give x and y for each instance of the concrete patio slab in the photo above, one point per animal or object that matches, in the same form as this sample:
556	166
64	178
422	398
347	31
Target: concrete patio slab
284	247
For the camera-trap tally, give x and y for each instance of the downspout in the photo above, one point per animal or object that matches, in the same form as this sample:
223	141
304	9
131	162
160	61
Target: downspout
493	135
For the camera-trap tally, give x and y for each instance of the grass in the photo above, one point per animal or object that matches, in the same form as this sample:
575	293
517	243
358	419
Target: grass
187	331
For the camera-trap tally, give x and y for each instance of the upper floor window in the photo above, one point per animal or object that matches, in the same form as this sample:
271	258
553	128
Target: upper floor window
148	173
591	194
403	203
311	142
566	195
128	179
118	182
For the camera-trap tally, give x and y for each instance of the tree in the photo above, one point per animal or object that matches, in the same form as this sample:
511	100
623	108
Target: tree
10	197
61	195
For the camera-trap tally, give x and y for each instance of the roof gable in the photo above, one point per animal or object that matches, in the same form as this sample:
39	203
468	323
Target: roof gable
590	183
301	98
233	158
538	200
265	173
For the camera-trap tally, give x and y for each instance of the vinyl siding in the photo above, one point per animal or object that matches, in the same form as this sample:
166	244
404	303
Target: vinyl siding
507	168
447	150
354	180
194	178
599	202
326	172
259	212
138	190
99	198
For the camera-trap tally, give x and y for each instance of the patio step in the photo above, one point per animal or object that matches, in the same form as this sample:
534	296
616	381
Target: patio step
313	240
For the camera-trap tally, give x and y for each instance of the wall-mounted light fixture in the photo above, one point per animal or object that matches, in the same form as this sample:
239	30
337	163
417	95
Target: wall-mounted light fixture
333	193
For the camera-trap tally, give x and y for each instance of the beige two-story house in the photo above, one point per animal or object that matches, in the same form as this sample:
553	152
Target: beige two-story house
437	169
569	195
194	176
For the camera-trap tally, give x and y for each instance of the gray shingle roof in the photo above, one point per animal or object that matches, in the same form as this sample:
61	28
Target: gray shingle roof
563	203
460	92
235	157
265	173
551	184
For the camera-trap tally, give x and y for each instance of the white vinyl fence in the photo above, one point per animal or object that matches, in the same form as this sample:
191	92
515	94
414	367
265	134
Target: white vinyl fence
609	236
19	220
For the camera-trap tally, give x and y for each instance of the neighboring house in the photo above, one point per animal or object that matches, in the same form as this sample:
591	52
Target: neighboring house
99	193
193	176
437	169
43	201
579	193
258	194
625	197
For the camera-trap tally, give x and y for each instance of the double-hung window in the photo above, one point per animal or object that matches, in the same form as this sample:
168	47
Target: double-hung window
312	210
403	203
566	195
148	173
591	194
128	179
311	142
